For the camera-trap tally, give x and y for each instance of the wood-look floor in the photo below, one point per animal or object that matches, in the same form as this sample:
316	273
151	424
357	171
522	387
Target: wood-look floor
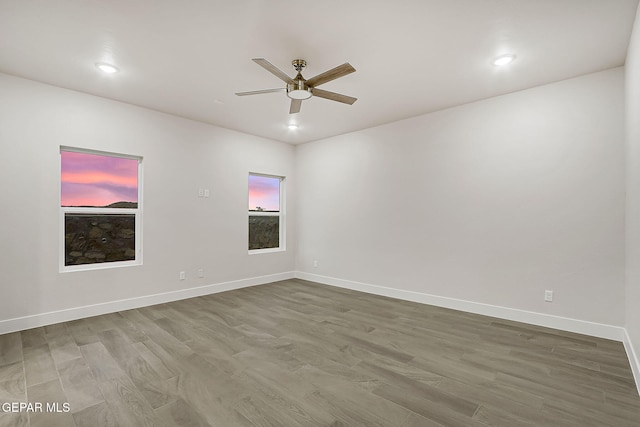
296	353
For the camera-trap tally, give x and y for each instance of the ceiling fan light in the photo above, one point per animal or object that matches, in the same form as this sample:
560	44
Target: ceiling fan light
299	93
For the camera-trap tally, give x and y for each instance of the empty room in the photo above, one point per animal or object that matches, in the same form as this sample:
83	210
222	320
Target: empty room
293	213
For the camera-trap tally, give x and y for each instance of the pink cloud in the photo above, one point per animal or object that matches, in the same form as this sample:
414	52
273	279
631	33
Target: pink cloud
264	192
97	180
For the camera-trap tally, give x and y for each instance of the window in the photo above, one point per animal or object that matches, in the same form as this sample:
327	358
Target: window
266	219
100	212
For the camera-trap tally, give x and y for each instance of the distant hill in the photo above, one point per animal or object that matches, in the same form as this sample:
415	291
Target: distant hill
116	205
129	205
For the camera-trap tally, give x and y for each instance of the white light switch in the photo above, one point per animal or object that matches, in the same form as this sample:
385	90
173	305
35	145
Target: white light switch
548	296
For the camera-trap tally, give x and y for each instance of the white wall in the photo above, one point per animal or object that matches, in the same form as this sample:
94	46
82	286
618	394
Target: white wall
181	231
491	202
632	73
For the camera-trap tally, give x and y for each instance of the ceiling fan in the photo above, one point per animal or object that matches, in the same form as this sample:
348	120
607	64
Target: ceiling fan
299	89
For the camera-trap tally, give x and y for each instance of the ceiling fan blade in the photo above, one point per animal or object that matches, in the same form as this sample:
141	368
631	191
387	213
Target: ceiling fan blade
334	73
273	69
258	92
333	96
295	106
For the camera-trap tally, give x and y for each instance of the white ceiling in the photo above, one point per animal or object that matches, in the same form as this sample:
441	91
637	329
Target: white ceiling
189	57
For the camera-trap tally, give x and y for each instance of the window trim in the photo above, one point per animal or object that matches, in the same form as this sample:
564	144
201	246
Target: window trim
137	212
282	238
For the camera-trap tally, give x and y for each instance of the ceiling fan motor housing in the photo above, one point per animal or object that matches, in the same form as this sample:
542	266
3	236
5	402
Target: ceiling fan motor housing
298	89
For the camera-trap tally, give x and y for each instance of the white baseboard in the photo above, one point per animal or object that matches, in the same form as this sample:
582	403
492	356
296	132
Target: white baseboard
633	359
37	320
599	330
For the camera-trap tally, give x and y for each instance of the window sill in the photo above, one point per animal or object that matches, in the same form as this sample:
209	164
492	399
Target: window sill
98	266
265	251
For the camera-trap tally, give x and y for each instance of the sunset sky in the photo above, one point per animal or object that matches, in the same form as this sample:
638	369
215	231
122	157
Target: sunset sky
96	180
264	192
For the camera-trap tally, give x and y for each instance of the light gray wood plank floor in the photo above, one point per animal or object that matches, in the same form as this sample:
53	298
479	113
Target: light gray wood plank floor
296	353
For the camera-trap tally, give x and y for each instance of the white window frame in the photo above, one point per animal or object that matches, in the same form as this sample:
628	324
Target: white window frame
137	212
281	226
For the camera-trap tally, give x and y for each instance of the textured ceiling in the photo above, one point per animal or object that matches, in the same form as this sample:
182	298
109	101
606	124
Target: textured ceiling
188	58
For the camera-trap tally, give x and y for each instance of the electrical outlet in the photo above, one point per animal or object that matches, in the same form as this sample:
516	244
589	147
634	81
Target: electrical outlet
201	273
548	296
315	263
206	192
200	192
183	275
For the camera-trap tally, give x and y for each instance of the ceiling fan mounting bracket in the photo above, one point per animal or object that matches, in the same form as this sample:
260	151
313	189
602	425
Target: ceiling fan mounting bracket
299	64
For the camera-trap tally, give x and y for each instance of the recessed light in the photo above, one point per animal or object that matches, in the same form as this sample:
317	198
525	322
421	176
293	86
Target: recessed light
292	126
107	68
504	60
